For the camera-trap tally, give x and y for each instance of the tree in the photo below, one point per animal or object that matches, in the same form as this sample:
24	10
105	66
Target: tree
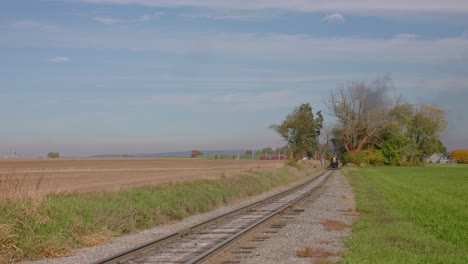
196	153
324	143
301	129
417	128
267	150
412	134
53	155
362	111
425	127
459	155
248	152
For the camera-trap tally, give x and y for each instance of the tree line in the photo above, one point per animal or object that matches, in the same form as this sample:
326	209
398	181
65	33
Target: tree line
370	127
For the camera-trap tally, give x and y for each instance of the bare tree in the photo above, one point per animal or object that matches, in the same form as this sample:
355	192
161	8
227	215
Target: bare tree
361	110
324	143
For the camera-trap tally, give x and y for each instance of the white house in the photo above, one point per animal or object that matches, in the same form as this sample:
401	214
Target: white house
438	158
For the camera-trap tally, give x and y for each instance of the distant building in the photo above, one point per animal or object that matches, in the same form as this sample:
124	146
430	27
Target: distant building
438	158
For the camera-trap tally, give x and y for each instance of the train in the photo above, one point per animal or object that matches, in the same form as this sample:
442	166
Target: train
334	163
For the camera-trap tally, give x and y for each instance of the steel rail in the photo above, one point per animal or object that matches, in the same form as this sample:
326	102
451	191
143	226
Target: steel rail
123	256
236	236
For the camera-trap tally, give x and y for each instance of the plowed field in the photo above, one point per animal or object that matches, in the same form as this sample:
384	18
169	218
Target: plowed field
86	175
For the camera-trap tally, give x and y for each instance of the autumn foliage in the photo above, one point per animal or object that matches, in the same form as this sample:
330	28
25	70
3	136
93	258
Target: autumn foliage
459	155
196	153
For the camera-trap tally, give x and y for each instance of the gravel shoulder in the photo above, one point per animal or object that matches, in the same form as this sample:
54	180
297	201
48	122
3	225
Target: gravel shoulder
307	229
316	233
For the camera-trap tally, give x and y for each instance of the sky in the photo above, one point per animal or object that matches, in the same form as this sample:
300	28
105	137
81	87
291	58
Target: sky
85	77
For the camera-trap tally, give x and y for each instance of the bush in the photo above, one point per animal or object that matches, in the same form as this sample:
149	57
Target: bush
365	157
392	152
460	155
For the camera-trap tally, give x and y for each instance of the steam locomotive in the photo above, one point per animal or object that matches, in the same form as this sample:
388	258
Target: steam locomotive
334	163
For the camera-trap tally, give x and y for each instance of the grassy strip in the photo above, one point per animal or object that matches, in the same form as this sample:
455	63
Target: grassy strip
54	225
409	215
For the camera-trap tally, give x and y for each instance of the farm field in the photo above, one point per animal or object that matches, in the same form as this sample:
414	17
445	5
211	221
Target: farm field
409	215
87	175
43	225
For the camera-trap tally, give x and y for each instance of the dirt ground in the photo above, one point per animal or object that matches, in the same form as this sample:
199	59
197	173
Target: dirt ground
86	175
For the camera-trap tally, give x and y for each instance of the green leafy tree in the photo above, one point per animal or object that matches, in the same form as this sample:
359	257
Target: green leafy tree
267	150
412	134
53	155
248	152
301	130
425	127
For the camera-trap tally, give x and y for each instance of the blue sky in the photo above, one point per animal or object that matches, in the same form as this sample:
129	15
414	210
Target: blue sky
84	77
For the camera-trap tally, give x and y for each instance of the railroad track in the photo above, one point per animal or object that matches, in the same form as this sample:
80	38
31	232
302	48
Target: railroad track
200	242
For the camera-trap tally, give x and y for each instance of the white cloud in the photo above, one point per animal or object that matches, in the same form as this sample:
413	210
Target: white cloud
405	36
334	18
456	6
59	59
242	15
34	25
271	47
148	17
106	20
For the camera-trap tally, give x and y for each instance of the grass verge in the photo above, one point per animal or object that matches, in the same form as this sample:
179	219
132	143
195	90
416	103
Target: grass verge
409	215
55	225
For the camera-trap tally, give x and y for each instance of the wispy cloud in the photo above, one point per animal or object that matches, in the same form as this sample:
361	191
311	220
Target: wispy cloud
334	18
405	37
59	59
106	20
240	15
456	6
34	25
149	17
404	47
202	101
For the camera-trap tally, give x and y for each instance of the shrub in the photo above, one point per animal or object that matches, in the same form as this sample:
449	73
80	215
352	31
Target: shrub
460	155
365	157
392	152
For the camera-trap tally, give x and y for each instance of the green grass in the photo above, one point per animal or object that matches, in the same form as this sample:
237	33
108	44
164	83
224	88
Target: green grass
54	225
409	215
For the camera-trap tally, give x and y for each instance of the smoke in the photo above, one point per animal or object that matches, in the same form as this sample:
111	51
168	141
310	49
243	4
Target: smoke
378	92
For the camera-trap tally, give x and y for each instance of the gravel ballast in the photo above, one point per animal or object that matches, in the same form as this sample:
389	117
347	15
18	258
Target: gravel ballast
306	230
316	233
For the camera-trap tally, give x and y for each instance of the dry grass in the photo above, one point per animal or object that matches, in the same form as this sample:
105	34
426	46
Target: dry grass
333	225
96	239
7	247
309	252
14	187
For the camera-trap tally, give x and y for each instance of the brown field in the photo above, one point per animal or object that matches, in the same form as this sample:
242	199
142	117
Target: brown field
86	175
